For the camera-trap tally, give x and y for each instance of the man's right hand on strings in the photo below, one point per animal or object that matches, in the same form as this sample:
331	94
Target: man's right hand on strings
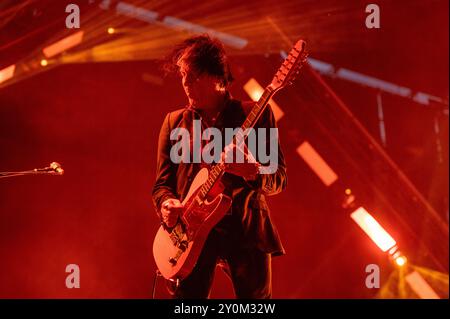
170	210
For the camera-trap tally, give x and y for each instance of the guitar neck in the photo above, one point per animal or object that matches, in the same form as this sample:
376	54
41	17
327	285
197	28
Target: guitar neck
257	110
284	76
217	171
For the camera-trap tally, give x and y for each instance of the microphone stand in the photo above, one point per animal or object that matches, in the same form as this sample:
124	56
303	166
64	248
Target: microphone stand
36	171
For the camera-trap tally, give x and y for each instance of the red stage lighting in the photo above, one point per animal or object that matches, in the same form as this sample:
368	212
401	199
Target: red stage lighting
373	229
63	44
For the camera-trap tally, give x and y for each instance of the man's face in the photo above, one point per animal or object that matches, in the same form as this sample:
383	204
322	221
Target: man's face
199	88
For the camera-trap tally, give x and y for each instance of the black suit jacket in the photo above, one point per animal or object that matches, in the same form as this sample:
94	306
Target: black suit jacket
249	220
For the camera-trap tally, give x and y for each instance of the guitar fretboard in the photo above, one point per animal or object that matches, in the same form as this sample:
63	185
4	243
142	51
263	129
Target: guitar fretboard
217	170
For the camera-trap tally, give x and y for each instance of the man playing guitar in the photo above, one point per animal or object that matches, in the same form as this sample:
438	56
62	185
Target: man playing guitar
245	239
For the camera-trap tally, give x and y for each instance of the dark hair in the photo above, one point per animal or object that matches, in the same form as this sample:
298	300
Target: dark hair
205	55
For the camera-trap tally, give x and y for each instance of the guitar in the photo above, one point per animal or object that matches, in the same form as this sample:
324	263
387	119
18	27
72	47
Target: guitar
176	249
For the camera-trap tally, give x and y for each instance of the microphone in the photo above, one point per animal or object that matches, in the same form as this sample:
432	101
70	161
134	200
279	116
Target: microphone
57	169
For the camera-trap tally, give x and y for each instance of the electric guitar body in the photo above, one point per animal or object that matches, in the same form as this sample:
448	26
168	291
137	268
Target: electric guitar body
177	250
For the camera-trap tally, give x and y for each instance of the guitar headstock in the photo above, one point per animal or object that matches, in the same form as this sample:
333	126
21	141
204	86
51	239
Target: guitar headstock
290	68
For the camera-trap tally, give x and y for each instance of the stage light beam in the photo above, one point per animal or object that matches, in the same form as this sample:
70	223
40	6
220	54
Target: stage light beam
317	163
373	229
63	44
7	73
420	286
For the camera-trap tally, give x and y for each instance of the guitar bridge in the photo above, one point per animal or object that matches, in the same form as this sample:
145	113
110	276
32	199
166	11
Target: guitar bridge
173	260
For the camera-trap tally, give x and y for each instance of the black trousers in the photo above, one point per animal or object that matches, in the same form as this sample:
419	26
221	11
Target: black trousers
248	268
